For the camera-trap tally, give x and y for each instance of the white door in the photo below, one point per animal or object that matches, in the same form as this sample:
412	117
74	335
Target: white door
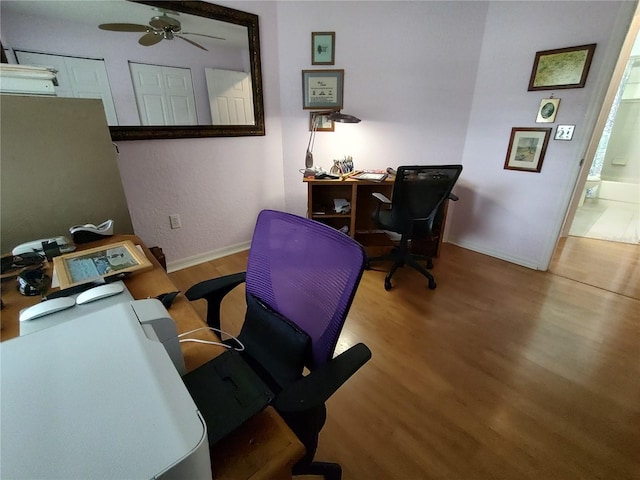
164	95
230	97
77	78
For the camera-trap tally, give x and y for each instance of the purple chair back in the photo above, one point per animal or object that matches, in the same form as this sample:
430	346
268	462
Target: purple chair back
306	271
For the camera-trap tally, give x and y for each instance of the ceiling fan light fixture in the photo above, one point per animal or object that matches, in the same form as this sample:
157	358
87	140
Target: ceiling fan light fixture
164	21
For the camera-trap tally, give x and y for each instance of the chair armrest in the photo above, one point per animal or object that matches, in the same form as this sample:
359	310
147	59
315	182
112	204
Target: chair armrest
379	196
315	389
213	291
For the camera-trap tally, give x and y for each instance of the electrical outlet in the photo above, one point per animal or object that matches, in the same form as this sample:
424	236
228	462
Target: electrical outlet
175	221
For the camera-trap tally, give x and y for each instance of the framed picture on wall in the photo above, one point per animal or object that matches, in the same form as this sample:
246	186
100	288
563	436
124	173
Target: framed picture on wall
527	147
548	110
321	121
323	46
322	89
561	68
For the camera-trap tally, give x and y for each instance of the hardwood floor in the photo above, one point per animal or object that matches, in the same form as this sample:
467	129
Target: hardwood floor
609	265
502	372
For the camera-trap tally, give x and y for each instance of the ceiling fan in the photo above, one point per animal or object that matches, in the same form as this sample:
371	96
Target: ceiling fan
161	27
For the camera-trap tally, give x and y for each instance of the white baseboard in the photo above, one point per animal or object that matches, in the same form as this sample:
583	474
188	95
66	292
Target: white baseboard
493	253
206	257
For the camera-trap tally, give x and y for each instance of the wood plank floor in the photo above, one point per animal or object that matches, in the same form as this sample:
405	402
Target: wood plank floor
608	265
502	372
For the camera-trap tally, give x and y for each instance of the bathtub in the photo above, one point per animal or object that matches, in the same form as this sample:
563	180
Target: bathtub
619	191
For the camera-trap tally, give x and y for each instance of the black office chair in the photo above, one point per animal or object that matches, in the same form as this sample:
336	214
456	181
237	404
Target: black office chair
415	211
300	281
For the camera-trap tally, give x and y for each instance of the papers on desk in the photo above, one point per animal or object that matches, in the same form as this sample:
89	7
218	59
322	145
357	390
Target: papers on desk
374	176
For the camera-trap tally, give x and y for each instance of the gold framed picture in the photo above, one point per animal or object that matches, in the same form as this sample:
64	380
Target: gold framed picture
548	110
99	262
321	121
561	68
323	48
322	89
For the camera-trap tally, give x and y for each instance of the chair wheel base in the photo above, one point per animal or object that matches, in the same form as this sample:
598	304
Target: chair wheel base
387	285
432	285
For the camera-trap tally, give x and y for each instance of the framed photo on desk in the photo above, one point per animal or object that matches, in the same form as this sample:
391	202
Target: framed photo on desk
99	262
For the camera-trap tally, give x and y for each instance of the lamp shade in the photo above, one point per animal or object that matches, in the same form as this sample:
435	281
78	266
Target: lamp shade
343	118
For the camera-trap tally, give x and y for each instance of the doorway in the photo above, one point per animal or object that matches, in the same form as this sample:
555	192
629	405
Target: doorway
599	220
606	201
609	205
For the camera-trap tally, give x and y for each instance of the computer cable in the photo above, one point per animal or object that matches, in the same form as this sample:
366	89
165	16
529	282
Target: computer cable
210	342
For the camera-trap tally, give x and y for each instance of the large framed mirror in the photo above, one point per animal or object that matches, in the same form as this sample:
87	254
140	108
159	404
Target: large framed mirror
164	69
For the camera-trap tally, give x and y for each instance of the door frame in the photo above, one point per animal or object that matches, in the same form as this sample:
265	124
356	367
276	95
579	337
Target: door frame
596	134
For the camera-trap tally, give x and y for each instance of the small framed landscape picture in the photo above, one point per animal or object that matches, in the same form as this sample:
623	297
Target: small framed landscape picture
323	48
561	68
94	263
527	147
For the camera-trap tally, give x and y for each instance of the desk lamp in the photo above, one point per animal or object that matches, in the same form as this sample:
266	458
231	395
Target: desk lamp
335	116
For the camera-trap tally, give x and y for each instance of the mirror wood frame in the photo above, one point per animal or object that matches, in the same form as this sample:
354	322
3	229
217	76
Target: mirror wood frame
224	14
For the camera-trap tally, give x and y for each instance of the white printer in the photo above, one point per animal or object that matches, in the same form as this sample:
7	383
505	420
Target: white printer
98	394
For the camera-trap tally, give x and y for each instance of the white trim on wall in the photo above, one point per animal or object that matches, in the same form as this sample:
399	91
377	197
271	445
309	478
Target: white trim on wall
206	257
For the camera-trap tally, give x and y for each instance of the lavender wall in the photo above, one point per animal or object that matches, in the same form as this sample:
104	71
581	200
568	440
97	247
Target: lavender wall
516	215
217	185
409	75
444	82
434	82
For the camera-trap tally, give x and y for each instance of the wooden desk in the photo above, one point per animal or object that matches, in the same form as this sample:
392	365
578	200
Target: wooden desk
263	448
359	221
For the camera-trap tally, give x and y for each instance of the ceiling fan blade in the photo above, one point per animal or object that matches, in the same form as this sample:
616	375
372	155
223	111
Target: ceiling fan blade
123	27
150	39
191	42
202	35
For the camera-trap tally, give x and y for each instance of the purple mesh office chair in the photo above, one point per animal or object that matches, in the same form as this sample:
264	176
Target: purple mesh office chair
300	281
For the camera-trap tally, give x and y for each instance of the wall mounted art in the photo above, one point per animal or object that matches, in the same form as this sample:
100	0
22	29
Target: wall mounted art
323	46
527	147
561	68
548	110
322	122
322	89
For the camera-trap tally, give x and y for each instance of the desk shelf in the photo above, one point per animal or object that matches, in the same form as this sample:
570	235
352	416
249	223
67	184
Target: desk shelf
359	193
321	194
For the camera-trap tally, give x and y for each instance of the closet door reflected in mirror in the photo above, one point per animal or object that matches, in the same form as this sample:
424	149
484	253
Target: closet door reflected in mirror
76	78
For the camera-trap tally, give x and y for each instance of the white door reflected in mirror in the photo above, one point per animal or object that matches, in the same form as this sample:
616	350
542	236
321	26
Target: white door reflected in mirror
164	95
230	97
